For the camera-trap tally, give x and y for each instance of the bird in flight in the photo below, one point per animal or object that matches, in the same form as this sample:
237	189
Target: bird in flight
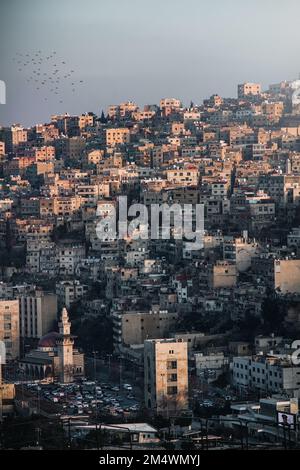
49	73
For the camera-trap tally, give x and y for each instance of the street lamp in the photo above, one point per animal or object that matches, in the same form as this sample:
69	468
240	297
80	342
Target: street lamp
95	365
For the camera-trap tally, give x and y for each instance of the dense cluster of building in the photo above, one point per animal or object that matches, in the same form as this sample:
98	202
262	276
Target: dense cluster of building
176	312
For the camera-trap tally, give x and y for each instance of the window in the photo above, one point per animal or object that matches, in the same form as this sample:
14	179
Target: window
172	377
171	364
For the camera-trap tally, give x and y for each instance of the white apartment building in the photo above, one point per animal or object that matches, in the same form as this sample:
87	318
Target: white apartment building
40	256
69	292
68	256
210	361
267	373
183	177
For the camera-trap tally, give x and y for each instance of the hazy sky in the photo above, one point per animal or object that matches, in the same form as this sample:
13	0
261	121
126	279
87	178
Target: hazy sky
145	49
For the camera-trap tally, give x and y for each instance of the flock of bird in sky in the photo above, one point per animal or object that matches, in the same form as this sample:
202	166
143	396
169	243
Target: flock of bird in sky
47	73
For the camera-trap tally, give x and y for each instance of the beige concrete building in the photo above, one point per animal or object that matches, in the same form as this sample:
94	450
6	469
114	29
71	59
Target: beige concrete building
166	376
135	327
66	205
143	115
222	274
95	156
245	89
44	154
2	148
18	135
183	177
122	109
88	193
10	328
169	103
177	128
283	275
85	120
273	110
117	136
287	275
7	397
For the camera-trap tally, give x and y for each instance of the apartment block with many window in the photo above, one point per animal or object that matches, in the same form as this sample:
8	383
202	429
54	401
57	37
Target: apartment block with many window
166	376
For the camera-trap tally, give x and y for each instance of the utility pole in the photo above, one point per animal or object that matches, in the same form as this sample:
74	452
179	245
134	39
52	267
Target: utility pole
109	357
120	372
95	365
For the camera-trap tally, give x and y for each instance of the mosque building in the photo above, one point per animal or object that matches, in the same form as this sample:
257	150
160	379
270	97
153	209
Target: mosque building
55	358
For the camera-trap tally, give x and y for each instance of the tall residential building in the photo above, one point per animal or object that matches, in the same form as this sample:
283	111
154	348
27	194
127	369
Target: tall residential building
10	328
38	313
13	136
166	376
